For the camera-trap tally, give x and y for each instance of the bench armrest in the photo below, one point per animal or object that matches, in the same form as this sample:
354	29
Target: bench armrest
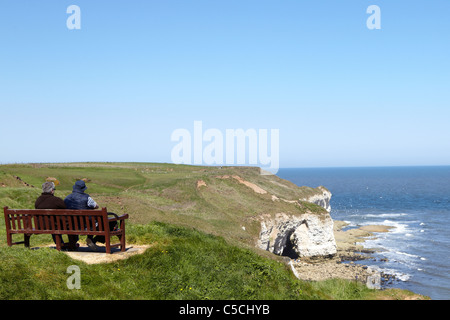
122	217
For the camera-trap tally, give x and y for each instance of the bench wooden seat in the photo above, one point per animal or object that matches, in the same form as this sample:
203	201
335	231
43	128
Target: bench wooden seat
63	221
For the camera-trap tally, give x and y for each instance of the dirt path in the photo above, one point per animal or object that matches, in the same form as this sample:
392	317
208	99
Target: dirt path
85	254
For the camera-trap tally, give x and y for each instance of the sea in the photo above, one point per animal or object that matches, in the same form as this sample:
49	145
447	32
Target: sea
415	201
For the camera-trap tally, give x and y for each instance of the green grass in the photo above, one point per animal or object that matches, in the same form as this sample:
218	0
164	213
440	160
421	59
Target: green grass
183	263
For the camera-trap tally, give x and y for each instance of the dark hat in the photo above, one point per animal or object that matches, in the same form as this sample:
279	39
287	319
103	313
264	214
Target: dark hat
79	185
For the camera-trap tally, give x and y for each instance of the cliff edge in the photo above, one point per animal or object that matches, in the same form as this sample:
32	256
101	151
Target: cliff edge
322	198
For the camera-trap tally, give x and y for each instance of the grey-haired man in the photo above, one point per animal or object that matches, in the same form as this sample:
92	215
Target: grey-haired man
48	200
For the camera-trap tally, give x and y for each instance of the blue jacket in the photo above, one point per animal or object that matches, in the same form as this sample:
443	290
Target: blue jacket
77	200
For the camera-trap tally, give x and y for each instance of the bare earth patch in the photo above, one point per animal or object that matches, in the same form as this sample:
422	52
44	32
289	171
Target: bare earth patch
88	256
201	183
252	186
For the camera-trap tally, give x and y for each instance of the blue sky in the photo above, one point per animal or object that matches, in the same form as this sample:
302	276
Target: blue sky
339	93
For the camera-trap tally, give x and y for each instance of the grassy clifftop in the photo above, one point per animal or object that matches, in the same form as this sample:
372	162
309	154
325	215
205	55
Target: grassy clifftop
198	221
221	201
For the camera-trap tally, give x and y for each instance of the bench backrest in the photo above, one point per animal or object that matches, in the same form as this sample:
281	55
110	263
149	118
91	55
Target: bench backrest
58	221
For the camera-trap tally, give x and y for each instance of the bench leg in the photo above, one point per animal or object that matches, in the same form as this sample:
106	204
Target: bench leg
58	238
26	240
108	244
122	242
122	237
9	239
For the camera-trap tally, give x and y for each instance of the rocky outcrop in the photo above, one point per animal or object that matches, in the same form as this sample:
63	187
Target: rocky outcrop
322	198
306	235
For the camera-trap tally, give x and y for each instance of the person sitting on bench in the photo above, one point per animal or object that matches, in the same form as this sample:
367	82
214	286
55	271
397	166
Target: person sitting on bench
48	200
79	200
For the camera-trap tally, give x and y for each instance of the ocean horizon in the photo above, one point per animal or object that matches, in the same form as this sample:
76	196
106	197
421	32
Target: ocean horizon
414	200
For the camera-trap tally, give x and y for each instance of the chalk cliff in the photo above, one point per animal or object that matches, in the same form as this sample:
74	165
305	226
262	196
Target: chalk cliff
322	198
306	235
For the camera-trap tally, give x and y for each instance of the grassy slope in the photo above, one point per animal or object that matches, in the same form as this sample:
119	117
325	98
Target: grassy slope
199	248
167	193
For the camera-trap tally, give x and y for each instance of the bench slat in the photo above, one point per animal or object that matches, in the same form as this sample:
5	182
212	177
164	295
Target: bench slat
81	223
58	223
52	222
18	220
100	225
69	222
36	223
13	222
86	220
75	222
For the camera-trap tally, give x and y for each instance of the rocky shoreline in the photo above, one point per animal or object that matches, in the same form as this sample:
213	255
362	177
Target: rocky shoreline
341	265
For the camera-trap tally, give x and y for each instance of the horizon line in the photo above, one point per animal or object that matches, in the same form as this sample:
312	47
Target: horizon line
237	165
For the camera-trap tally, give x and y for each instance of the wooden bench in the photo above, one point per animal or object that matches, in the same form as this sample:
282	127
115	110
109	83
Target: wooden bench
63	221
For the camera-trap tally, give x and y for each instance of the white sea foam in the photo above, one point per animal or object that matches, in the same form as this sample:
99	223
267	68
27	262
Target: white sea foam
385	215
397	245
398	274
398	227
402	276
406	254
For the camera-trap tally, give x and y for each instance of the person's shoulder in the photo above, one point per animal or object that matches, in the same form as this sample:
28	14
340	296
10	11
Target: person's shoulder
42	197
70	195
38	201
58	199
61	203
